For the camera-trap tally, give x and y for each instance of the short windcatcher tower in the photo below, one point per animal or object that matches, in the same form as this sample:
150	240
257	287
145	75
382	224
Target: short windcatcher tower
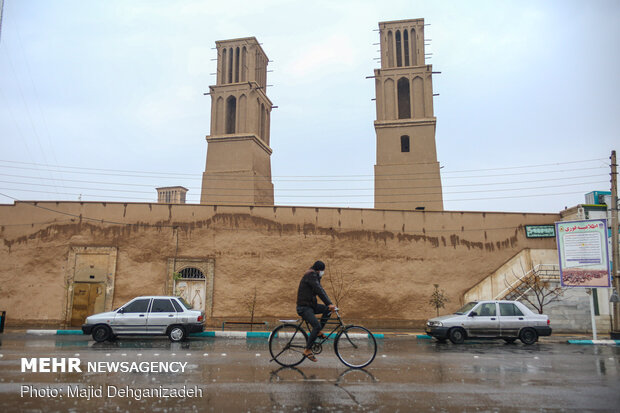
407	171
238	169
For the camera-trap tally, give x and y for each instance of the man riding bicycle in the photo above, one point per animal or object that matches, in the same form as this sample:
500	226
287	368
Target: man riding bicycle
307	305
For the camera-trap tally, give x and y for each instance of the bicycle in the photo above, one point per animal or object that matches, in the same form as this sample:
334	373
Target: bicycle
354	345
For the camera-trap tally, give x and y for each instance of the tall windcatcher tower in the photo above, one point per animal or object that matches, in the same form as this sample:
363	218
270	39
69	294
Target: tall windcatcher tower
407	171
238	169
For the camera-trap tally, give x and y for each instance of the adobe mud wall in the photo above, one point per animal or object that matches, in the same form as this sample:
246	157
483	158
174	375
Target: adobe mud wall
387	261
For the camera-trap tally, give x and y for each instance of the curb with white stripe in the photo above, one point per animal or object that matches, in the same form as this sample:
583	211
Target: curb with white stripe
54	332
220	334
599	342
582	342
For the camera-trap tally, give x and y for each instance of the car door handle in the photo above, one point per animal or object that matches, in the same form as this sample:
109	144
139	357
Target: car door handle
170	315
141	315
520	318
492	318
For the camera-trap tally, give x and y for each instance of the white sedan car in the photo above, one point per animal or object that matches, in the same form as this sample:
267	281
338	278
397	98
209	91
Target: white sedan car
152	315
507	320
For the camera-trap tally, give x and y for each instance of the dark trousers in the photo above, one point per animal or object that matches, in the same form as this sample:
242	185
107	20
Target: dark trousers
308	314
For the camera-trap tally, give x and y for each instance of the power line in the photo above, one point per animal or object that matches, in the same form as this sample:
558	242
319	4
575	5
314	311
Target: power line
227	177
315	189
167	174
324	196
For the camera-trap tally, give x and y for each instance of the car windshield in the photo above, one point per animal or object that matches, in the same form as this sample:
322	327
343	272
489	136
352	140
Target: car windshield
466	308
185	303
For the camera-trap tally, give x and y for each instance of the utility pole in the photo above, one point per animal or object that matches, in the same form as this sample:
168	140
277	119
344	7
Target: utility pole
1	10
614	242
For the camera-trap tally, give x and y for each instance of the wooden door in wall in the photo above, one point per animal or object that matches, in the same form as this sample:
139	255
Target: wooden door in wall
88	299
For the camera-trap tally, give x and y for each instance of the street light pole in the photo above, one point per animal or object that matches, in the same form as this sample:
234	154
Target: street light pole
614	243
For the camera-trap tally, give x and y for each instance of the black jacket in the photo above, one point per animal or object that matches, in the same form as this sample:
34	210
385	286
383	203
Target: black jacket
309	288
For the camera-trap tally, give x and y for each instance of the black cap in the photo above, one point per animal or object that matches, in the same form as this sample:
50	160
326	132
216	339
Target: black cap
318	266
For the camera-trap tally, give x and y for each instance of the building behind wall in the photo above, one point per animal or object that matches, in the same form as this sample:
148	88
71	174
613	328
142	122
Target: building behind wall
238	168
407	171
171	195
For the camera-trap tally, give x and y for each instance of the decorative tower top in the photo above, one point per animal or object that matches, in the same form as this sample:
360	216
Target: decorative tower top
241	60
402	43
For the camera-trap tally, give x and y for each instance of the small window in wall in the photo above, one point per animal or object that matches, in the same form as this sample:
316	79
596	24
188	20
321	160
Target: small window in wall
237	64
231	114
404	143
390	49
191	272
399	52
223	74
404	98
406	47
230	65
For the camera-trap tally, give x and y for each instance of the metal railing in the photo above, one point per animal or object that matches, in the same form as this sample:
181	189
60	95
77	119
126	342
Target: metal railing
548	272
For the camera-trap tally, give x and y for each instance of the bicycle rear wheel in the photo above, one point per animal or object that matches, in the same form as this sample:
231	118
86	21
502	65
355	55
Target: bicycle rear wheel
287	343
356	347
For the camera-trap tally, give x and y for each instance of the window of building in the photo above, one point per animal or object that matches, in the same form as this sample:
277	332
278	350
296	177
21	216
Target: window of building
404	143
244	53
390	49
399	52
230	65
414	52
262	121
191	272
223	74
231	114
404	98
406	46
237	65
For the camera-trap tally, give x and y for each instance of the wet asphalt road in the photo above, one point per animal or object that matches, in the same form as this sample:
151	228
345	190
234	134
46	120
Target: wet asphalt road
236	375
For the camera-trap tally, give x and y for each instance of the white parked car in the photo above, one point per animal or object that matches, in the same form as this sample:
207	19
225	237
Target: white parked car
157	315
507	320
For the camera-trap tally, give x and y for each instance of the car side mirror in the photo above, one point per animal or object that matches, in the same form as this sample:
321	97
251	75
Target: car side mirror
121	310
473	314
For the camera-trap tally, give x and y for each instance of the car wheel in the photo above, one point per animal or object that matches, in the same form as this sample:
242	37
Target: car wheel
101	333
510	340
528	336
457	335
176	333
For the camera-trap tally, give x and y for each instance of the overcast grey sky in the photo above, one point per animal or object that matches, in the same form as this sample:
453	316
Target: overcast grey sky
112	86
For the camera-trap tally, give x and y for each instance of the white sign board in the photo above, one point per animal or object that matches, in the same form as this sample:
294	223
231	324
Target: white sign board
583	253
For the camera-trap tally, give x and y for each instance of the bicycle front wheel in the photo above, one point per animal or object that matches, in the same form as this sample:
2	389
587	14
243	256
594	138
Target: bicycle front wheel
356	347
287	344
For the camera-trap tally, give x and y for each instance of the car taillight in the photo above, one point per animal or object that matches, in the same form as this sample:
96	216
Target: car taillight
199	318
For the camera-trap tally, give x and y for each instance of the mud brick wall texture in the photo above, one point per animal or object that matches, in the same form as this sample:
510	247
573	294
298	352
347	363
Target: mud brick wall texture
387	261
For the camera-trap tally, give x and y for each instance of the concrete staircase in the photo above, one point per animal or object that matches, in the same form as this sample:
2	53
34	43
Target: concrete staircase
522	285
570	314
